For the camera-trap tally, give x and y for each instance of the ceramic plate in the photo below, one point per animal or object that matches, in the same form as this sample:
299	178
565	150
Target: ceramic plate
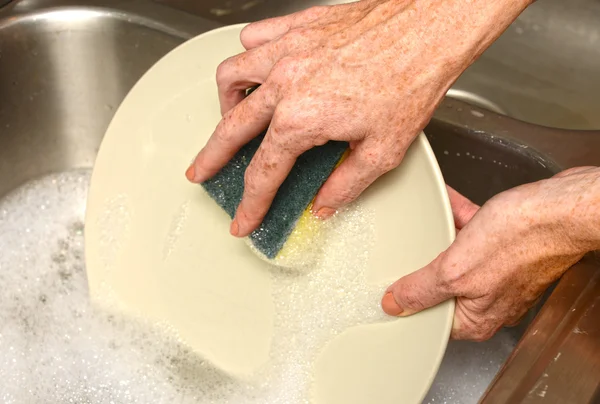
160	247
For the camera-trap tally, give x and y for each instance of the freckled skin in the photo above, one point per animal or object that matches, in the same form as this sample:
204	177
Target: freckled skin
507	253
370	72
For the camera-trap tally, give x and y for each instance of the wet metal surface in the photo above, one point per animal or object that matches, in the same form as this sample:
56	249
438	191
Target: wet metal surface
66	65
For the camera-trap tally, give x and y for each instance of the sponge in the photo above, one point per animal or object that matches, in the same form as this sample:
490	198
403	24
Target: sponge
289	225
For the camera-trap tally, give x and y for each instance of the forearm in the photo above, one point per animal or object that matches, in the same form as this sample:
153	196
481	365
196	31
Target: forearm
450	34
581	208
589	211
478	23
469	27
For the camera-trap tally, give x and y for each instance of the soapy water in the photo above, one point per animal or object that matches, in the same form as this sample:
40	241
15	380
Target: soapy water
56	347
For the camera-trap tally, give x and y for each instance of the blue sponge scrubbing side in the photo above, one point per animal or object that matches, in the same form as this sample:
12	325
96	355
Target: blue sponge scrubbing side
296	193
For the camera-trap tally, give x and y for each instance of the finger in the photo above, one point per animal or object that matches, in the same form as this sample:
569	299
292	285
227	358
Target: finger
258	33
463	209
574	170
238	73
238	127
359	170
268	169
416	292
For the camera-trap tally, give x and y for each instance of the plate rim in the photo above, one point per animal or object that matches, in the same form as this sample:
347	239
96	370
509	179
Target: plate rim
428	152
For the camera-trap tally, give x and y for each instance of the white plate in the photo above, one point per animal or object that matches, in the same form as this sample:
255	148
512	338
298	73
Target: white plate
161	247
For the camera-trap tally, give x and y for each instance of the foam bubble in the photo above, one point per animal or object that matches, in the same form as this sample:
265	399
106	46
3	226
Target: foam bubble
56	347
303	248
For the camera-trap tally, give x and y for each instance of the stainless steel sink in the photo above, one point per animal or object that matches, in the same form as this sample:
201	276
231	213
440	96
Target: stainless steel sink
65	68
543	68
66	65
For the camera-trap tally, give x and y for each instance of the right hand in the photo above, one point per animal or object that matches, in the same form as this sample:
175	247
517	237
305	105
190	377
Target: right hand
506	253
370	73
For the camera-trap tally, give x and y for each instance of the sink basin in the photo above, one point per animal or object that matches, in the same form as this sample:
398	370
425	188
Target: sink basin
65	67
63	71
543	68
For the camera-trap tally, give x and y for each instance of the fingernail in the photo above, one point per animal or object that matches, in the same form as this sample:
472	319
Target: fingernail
190	173
325	213
389	305
234	229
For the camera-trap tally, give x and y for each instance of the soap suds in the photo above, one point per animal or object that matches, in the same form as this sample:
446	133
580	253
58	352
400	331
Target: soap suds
304	247
56	347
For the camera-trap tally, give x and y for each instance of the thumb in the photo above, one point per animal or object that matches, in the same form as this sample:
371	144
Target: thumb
416	292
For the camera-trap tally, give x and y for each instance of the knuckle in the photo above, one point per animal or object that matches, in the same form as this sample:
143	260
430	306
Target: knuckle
371	161
315	12
286	112
257	189
247	215
278	139
451	276
296	35
300	122
388	162
408	296
382	160
286	68
223	71
251	182
228	71
222	132
345	196
393	157
286	122
247	34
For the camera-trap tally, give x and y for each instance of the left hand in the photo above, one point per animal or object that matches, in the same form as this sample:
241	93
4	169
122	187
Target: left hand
506	253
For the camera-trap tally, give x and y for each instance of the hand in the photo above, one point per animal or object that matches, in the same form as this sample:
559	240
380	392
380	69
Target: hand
506	253
370	73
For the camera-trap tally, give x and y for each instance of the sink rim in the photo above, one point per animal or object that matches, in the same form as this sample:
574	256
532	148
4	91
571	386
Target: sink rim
559	146
147	13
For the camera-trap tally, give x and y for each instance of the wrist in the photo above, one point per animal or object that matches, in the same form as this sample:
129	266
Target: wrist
588	208
475	25
447	35
580	209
